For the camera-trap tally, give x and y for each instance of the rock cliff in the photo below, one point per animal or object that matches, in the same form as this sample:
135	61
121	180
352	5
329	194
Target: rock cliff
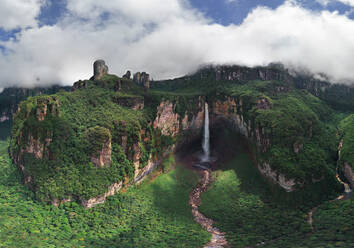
111	132
100	69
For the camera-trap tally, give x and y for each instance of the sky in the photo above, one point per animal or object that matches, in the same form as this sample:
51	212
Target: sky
45	42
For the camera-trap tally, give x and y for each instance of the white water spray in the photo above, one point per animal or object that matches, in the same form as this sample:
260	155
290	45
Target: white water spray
206	138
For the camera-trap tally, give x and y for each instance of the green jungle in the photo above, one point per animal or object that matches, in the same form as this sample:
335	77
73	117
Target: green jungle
111	163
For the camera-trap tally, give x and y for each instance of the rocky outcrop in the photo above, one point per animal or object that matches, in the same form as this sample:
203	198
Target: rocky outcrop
171	123
36	147
241	73
127	75
57	202
100	69
167	120
231	112
113	189
136	103
103	158
287	184
348	173
80	85
33	142
100	140
45	104
142	78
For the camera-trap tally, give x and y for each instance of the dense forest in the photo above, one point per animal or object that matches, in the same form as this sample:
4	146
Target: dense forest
279	142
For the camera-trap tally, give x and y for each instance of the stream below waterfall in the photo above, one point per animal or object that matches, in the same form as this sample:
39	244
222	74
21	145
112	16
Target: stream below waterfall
218	239
345	195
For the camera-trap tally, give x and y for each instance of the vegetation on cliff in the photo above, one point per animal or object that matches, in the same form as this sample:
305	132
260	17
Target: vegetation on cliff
251	211
347	133
154	214
59	138
76	144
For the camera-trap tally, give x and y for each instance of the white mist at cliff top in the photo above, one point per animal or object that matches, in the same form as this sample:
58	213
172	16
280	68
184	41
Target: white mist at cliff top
206	138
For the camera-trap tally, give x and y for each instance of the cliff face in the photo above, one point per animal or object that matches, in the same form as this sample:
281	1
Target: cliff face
346	148
11	97
348	173
231	110
171	123
109	133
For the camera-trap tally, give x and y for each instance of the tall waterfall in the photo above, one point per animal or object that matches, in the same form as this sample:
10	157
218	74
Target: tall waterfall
206	138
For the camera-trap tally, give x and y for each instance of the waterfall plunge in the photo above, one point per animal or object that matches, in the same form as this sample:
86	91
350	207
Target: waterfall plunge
206	138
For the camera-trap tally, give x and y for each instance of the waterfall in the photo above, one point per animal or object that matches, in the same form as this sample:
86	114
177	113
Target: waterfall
206	138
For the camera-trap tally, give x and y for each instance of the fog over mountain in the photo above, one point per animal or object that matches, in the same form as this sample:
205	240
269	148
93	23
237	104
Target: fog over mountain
167	38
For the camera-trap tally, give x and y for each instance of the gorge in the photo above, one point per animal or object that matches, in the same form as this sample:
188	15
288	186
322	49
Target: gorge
110	133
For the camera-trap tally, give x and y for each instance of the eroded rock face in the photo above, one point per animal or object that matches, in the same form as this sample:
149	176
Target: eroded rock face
231	111
43	105
127	75
171	123
142	78
100	69
80	85
130	102
239	73
167	120
348	173
287	184
36	147
113	189
104	157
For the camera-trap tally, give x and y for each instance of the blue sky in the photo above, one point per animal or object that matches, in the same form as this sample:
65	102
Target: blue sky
224	12
56	41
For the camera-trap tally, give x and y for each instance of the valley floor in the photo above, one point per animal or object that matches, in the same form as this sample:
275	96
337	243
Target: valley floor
157	214
253	213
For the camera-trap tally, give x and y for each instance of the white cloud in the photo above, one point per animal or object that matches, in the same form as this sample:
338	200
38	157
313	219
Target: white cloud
326	2
167	38
19	13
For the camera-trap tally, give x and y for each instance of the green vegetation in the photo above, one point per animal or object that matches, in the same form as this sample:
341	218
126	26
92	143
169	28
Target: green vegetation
58	138
347	133
55	137
298	130
154	214
11	97
290	118
252	211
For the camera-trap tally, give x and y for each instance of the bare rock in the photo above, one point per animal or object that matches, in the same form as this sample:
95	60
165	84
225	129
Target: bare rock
142	78
280	179
80	85
167	120
127	75
113	189
348	173
100	69
100	140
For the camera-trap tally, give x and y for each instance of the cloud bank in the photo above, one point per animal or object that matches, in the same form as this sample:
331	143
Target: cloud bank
19	13
168	38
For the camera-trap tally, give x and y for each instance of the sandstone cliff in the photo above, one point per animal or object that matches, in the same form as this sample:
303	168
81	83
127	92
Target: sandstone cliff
110	132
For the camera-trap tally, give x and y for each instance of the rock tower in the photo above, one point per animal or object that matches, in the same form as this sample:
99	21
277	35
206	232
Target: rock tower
100	69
